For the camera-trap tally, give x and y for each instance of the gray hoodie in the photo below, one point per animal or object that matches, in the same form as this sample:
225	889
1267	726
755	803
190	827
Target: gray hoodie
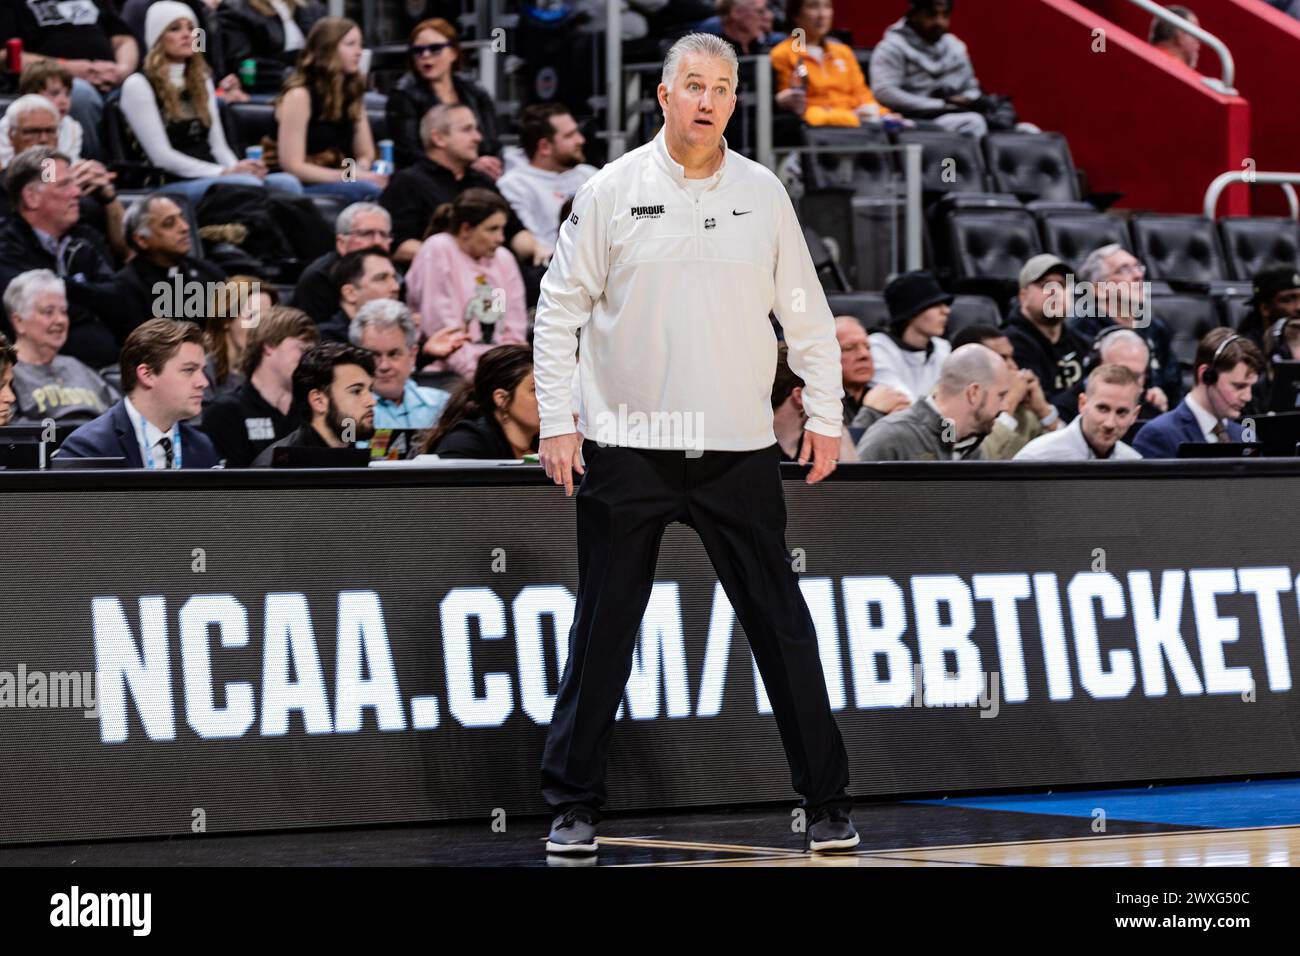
905	70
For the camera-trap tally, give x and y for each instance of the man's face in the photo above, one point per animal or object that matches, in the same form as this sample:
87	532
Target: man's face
932	25
34	128
1122	282
281	360
169	231
1283	305
701	101
461	137
378	281
57	93
933	321
990	404
1232	391
7	397
1107	414
178	388
45	324
1043	302
394	359
567	141
746	20
856	362
368	229
1002	346
351	404
54	203
1132	355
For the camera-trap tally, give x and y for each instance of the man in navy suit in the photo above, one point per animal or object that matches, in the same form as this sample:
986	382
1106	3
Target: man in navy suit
163	381
1227	367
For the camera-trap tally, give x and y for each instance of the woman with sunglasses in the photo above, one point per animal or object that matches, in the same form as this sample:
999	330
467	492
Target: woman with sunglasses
433	54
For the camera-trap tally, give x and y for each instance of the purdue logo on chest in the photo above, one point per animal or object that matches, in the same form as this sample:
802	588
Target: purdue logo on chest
647	212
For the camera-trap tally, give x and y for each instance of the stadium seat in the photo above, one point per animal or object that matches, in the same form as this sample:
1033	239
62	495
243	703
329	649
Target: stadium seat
1232	309
329	207
1189	317
1182	250
1072	235
1033	166
868	173
968	310
867	307
964	174
249	123
1251	243
988	247
828	268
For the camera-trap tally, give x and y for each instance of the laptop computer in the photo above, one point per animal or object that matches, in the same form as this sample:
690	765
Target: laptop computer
1284	394
37	433
1278	433
312	457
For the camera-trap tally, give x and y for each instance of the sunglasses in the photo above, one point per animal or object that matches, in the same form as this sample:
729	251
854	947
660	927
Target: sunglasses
433	49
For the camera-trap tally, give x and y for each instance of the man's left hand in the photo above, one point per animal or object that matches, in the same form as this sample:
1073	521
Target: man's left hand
824	452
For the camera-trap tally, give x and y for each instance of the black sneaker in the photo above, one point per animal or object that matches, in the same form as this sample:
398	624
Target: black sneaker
573	831
832	831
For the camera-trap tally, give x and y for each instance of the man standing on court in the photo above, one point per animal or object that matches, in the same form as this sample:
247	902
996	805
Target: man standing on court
670	263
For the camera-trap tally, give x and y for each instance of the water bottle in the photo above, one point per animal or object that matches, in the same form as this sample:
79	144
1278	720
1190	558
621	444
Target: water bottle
248	73
384	164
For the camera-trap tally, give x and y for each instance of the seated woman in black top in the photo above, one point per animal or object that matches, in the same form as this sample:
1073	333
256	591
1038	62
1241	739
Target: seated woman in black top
493	417
324	135
266	30
430	81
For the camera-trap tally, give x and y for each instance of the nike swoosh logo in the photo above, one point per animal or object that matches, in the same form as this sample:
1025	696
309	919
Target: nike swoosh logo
745	213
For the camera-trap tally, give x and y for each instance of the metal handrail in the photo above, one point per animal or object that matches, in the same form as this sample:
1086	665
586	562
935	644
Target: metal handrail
1227	66
1222	182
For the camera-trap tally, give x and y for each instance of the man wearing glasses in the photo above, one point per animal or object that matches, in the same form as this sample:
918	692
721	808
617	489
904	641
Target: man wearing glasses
1114	277
360	226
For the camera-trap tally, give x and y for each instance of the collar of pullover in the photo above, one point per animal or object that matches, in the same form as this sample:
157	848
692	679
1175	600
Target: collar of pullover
676	170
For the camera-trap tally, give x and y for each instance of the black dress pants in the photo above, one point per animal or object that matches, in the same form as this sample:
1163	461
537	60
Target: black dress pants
734	501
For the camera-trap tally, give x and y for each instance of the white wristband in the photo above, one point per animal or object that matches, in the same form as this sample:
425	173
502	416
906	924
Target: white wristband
1050	418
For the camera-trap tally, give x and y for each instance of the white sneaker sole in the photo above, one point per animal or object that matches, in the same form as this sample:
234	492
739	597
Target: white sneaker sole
825	845
570	847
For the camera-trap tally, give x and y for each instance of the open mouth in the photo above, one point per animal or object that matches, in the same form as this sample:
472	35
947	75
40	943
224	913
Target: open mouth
704	122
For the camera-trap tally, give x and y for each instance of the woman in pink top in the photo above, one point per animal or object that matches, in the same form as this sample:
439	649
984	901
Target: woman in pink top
464	276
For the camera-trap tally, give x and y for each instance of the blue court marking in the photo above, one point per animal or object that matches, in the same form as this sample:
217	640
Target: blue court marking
1260	803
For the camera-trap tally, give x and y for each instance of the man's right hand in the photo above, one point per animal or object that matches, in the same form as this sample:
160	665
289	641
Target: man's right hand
560	457
884	398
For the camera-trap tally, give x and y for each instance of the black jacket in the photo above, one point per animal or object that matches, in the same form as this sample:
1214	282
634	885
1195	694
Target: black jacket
304	436
414	193
88	272
242	423
1058	365
480	438
112	435
135	301
412	97
315	292
246	33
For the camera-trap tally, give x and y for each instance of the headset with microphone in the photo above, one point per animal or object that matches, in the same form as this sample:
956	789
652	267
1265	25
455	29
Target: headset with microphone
1211	374
1279	350
1093	358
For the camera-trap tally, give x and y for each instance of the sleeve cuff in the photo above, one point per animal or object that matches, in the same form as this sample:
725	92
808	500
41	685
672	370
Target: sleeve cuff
1007	421
824	428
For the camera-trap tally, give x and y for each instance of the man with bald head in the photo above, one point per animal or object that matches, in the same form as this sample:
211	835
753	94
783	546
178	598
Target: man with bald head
1119	346
950	422
864	402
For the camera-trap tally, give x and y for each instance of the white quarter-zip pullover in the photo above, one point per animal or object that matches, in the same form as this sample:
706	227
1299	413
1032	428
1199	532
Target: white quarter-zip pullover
671	282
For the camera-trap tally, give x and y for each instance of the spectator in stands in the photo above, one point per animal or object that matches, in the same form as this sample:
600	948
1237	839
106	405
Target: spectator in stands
225	337
817	76
909	356
788	415
463	278
274	30
948	424
386	329
555	169
1107	409
451	139
433	53
260	411
161	279
332	397
324	136
50	79
741	23
50	386
34	121
359	226
1179	44
493	416
1227	368
171	107
87	37
1041	340
45	233
1276	295
1117	346
8	359
1119	297
162	376
361	276
204	12
921	70
865	402
1026	414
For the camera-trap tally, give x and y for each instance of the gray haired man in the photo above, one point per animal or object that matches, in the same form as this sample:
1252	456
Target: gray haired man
386	329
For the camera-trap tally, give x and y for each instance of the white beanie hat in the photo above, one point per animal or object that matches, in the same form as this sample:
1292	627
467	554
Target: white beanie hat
161	15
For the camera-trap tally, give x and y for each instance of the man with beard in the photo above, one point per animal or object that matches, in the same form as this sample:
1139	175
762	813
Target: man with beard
949	423
1276	295
555	169
332	394
1040	339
